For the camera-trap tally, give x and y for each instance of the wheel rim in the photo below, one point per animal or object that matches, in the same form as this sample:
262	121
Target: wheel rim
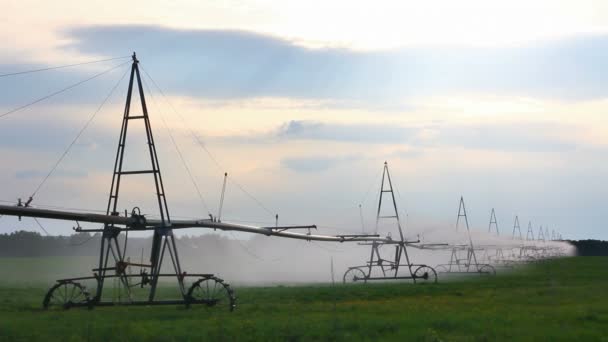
487	269
354	275
66	295
441	269
426	273
212	293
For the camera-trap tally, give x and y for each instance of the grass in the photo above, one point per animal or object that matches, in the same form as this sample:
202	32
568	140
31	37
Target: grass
564	299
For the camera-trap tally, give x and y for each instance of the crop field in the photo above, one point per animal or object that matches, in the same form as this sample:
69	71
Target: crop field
565	299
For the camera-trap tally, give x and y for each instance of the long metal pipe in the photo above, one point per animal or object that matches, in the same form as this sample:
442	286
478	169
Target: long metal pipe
140	223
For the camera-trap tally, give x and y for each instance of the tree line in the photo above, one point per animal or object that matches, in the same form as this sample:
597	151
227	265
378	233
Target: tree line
33	244
590	247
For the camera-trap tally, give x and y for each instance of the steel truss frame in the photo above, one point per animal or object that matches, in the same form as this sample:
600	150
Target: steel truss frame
112	256
464	257
498	259
387	268
205	289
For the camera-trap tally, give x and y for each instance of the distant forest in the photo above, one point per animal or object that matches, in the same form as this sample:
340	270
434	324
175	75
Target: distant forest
33	244
590	247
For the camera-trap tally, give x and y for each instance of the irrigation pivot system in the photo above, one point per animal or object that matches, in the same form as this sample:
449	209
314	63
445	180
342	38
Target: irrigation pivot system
112	276
114	265
464	257
499	259
400	267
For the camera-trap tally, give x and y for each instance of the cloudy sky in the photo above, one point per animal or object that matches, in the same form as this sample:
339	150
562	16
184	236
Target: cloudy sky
301	102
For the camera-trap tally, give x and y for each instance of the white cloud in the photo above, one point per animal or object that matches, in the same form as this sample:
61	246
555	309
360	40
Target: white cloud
31	26
436	144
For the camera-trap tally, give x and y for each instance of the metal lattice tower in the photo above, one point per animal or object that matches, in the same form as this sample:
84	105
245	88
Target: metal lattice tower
530	234
204	288
459	261
499	255
541	234
388	267
386	181
386	187
462	212
494	222
163	236
516	227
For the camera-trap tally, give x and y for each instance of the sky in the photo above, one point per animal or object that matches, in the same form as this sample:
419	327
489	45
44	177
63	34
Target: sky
302	102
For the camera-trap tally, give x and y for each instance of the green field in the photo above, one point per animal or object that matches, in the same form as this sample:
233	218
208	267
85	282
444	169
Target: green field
564	299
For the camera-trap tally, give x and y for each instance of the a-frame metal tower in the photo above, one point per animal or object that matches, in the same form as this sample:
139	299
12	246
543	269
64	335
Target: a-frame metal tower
530	234
205	289
113	263
515	254
517	228
528	251
163	240
389	269
499	255
493	222
541	234
467	263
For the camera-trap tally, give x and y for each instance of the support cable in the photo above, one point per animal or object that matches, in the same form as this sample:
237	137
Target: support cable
243	247
248	251
60	66
202	145
14	110
179	152
41	227
327	249
258	202
80	243
86	125
369	188
403	212
77	136
44	206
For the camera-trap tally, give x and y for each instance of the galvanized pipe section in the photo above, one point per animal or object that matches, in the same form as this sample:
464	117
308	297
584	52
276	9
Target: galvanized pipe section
137	222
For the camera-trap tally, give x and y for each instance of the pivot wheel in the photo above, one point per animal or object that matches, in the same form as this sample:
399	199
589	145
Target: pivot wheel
442	269
353	275
426	274
65	295
487	269
212	292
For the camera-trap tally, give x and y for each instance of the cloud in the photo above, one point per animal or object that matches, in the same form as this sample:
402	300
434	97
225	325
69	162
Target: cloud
19	90
518	137
515	137
47	134
322	131
360	133
315	163
232	64
409	153
227	64
27	174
